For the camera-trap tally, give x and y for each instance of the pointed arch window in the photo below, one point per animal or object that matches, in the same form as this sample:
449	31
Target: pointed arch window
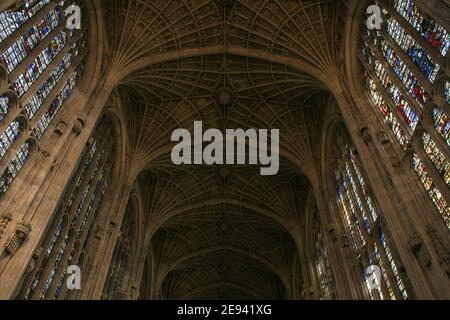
14	167
74	221
8	138
121	256
45	62
430	186
4	107
361	218
394	64
437	157
322	264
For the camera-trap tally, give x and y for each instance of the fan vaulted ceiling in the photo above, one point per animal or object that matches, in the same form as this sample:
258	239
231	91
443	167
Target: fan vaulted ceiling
223	232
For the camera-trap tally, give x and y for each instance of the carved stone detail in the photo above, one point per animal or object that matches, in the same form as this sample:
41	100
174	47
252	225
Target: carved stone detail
344	241
332	232
60	128
16	240
4	221
99	232
383	137
78	126
308	292
420	251
37	254
365	135
45	153
440	249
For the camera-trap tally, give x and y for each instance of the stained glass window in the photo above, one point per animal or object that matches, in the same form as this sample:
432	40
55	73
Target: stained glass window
55	106
442	124
74	221
447	92
415	89
417	54
360	216
49	49
26	79
47	86
7	177
9	137
385	52
28	41
4	107
388	116
437	157
433	32
433	191
392	263
396	96
323	269
12	20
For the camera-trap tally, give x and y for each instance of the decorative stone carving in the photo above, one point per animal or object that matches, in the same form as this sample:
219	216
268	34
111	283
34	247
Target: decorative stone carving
224	226
4	221
332	232
389	148
123	296
410	152
308	292
111	226
61	128
37	254
224	172
420	251
344	241
45	153
99	232
18	237
415	241
383	137
78	126
224	96
440	249
365	135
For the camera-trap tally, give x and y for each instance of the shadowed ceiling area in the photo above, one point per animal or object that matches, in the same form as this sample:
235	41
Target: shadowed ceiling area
223	232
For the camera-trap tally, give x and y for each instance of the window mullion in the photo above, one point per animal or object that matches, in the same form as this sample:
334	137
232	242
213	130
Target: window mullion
387	98
22	66
13	148
36	117
430	167
358	228
368	246
9	40
33	87
62	265
84	183
50	261
424	81
413	103
432	51
435	136
85	210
